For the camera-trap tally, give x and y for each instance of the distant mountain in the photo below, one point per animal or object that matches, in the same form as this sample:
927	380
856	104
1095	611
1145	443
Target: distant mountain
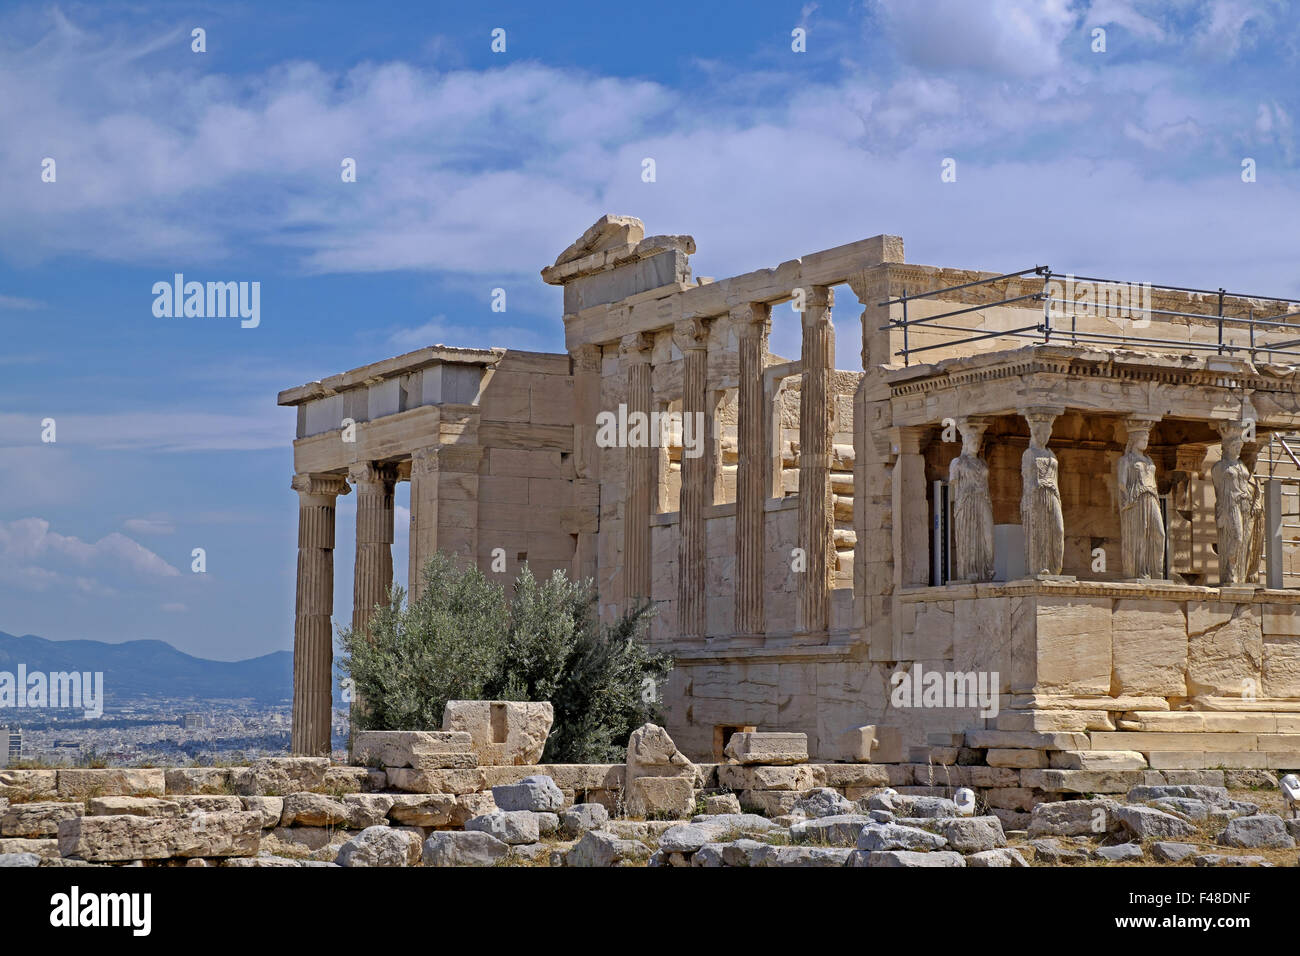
154	669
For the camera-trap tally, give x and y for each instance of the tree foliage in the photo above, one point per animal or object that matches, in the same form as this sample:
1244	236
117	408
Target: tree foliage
462	640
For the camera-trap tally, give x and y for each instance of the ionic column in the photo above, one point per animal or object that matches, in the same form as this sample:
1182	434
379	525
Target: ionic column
751	321
634	351
373	574
313	632
697	485
816	528
424	517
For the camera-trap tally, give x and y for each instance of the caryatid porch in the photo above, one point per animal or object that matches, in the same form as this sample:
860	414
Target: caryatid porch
1129	530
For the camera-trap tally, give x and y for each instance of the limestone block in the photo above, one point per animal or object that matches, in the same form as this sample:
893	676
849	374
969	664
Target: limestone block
870	744
1281	667
436	781
355	779
380	846
771	803
192	780
43	849
123	837
660	778
39	819
27	784
439	809
1081	781
509	826
312	810
536	793
841	776
767	748
502	732
1225	649
663	797
417	749
464	848
83	784
1098	760
735	777
270	809
1149	648
277	776
1073	646
151	806
1019	759
981	638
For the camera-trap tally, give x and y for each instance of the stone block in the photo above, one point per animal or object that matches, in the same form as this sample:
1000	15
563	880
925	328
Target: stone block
38	819
1149	648
84	784
1225	649
123	837
502	732
278	776
416	749
768	748
1098	760
437	781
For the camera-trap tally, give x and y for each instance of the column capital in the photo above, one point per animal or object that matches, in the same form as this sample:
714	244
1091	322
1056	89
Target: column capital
818	302
692	334
371	473
1040	412
635	348
309	485
751	318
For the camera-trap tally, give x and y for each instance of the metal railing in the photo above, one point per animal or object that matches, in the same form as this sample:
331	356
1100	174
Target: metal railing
1055	306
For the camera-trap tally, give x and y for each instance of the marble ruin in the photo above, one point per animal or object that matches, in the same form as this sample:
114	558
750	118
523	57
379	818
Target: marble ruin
1083	509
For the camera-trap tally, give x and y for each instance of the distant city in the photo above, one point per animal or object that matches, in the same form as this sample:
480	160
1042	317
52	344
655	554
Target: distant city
152	704
167	732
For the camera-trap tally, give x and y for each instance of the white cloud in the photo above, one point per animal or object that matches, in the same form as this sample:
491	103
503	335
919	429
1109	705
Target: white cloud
1018	38
35	558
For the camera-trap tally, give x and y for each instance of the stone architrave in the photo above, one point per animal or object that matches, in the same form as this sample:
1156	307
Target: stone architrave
972	507
1142	530
1233	499
1255	541
1040	498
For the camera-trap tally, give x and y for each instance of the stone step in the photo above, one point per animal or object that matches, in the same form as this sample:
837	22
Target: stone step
1070	721
1098	760
1149	742
1052	702
1030	740
1185	721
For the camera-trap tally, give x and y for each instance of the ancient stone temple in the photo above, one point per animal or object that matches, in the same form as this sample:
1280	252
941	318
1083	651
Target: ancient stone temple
1046	519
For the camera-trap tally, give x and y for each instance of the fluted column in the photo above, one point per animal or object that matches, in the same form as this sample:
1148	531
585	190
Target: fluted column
373	574
313	632
635	354
816	528
697	485
751	321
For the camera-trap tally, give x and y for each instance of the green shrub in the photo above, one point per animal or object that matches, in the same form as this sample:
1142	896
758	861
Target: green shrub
461	640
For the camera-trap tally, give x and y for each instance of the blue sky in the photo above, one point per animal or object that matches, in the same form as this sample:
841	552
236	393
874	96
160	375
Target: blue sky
475	169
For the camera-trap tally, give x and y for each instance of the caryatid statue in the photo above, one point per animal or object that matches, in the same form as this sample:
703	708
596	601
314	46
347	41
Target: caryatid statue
1255	536
1040	499
1233	501
1142	527
972	507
